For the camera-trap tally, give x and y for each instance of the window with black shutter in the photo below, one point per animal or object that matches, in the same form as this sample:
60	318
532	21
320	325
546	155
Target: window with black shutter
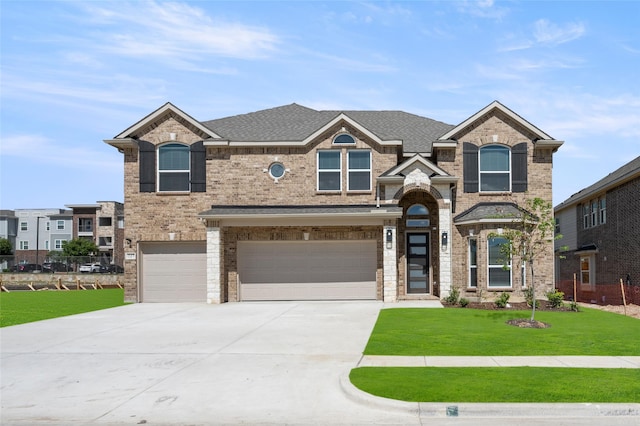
147	161
519	167
470	167
172	167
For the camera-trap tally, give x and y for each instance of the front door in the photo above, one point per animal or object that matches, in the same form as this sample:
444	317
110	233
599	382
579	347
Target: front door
418	263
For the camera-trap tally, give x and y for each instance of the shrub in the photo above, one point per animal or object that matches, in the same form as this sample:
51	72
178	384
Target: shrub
452	298
502	300
555	298
574	306
529	297
464	302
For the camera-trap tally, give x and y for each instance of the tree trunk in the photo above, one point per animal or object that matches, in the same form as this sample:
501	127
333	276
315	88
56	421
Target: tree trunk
533	294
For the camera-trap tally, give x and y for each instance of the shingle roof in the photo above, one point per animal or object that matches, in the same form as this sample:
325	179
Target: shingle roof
295	122
625	172
505	212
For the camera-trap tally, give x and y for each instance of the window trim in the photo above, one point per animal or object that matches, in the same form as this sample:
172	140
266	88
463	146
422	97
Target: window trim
590	271
24	244
586	215
160	172
369	170
319	171
60	225
594	212
491	266
508	172
340	135
602	209
472	265
24	226
57	244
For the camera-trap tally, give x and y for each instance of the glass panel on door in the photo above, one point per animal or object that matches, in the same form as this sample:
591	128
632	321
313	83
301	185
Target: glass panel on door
418	263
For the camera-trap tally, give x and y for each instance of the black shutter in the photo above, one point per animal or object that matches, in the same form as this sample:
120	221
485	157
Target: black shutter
147	161
519	168
470	167
198	167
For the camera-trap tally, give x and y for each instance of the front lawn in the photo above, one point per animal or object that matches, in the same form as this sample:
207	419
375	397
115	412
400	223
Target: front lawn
28	306
500	384
472	332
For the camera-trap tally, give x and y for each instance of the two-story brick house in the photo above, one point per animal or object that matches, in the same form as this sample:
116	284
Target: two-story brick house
600	244
291	203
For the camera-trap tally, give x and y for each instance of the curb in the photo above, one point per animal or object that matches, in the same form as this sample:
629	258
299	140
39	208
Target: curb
490	410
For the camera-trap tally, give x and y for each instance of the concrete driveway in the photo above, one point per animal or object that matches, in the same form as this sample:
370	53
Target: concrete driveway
252	363
237	363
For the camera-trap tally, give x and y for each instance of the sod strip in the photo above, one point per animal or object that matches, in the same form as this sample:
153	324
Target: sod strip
499	384
473	332
22	307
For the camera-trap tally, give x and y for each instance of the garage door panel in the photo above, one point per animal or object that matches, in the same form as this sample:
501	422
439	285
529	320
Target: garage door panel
173	272
307	270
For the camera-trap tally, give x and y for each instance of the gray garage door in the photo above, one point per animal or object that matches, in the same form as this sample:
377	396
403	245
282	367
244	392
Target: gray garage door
173	272
307	270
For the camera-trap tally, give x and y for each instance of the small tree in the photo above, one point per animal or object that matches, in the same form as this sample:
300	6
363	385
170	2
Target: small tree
5	247
530	237
78	247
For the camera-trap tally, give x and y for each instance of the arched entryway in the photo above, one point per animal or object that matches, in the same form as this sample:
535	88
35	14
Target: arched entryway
418	245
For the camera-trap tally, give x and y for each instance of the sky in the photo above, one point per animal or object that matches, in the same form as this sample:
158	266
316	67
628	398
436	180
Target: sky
74	73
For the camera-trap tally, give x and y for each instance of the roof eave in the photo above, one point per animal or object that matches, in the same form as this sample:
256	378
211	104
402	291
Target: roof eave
122	143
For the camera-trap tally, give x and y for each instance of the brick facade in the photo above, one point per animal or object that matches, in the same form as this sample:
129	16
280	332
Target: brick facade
616	248
238	176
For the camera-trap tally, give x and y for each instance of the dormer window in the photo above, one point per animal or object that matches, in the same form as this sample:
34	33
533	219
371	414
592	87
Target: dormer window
344	139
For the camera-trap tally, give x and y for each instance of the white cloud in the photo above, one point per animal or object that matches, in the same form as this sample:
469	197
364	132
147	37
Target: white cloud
483	9
546	32
43	150
174	31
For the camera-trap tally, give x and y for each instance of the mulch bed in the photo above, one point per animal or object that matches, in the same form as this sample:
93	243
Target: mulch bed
521	306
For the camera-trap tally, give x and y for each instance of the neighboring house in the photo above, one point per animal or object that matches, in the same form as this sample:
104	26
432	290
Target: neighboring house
8	230
600	244
102	223
291	203
40	231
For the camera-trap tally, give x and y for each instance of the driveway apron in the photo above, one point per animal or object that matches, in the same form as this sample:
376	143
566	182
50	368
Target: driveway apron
253	363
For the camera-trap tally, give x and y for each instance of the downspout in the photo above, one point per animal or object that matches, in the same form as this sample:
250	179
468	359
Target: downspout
377	195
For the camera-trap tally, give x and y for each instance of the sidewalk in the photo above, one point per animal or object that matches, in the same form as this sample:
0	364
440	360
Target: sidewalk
501	361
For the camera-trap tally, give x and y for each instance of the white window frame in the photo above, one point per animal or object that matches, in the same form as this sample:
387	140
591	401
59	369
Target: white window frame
24	244
594	212
602	206
160	172
501	266
590	271
57	244
480	172
319	171
48	226
472	266
353	140
349	170
24	226
46	244
60	225
586	214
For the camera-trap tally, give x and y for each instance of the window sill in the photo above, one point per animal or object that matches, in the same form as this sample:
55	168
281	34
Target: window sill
499	288
487	194
172	193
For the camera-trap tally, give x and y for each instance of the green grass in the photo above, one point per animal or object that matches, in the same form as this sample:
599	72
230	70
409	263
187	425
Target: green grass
495	384
472	332
29	306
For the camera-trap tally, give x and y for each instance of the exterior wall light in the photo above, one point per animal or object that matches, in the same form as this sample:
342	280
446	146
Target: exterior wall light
445	239
389	238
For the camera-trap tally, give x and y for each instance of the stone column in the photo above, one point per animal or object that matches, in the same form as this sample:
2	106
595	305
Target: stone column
214	250
390	264
446	274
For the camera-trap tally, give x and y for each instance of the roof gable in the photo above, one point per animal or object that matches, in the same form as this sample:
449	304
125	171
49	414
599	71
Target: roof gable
160	114
495	105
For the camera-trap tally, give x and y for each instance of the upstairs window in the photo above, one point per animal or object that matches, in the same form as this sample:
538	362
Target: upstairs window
495	169
85	224
24	226
173	168
603	210
60	225
104	221
359	170
329	171
594	213
585	215
344	139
